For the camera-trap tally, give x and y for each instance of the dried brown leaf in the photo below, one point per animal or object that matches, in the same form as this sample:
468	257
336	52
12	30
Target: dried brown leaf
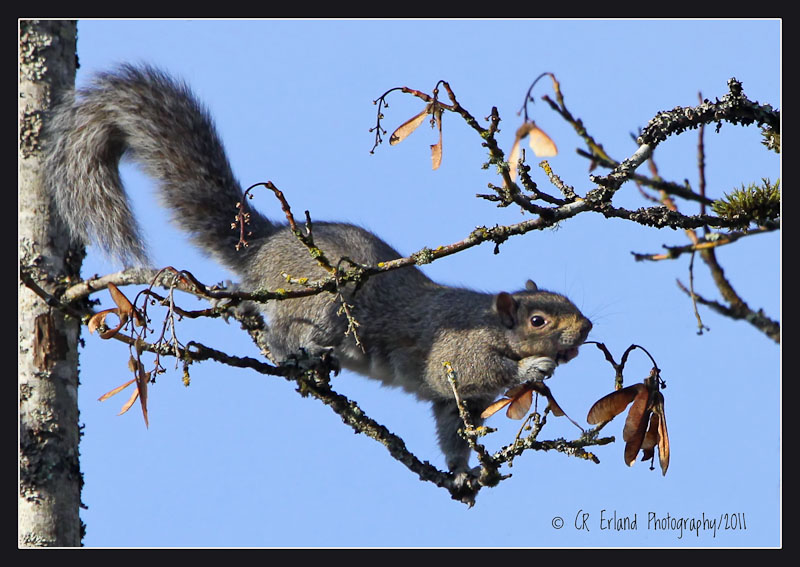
613	404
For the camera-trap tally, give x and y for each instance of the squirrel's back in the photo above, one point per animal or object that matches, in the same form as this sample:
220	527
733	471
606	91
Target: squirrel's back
144	113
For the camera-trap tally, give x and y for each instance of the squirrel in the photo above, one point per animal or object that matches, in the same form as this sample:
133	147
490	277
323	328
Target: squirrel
408	324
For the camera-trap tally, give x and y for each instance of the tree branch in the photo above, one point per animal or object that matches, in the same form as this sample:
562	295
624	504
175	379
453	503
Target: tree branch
734	107
312	374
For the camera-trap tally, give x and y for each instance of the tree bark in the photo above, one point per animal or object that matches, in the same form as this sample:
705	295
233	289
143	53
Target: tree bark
50	479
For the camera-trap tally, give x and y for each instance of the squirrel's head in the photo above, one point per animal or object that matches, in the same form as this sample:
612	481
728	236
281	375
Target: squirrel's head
542	323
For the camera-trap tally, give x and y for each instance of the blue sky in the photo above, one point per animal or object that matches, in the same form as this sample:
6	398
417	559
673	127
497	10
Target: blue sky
239	459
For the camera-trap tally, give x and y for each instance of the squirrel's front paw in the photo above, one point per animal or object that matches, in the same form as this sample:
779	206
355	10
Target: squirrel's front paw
536	368
465	483
242	308
307	359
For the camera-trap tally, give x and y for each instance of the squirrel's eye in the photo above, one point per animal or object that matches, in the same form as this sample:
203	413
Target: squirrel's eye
538	321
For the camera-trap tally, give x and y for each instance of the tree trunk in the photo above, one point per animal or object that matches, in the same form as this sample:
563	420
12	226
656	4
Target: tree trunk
49	470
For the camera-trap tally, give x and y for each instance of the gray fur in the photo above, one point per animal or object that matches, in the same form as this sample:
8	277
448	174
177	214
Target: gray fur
409	325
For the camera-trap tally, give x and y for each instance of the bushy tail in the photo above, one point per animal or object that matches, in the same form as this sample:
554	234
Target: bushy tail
162	127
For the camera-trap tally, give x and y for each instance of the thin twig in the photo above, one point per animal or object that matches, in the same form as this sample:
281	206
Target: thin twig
700	326
710	240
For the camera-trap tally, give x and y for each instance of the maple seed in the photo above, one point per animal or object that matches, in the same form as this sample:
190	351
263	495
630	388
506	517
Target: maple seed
651	438
663	436
635	426
140	392
407	127
124	310
636	416
541	144
646	424
610	406
539	141
519	406
519	400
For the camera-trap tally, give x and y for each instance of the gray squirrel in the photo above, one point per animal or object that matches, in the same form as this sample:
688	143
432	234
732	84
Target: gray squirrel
408	324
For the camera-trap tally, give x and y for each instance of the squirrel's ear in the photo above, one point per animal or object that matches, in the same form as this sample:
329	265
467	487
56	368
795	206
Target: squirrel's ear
506	307
531	286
